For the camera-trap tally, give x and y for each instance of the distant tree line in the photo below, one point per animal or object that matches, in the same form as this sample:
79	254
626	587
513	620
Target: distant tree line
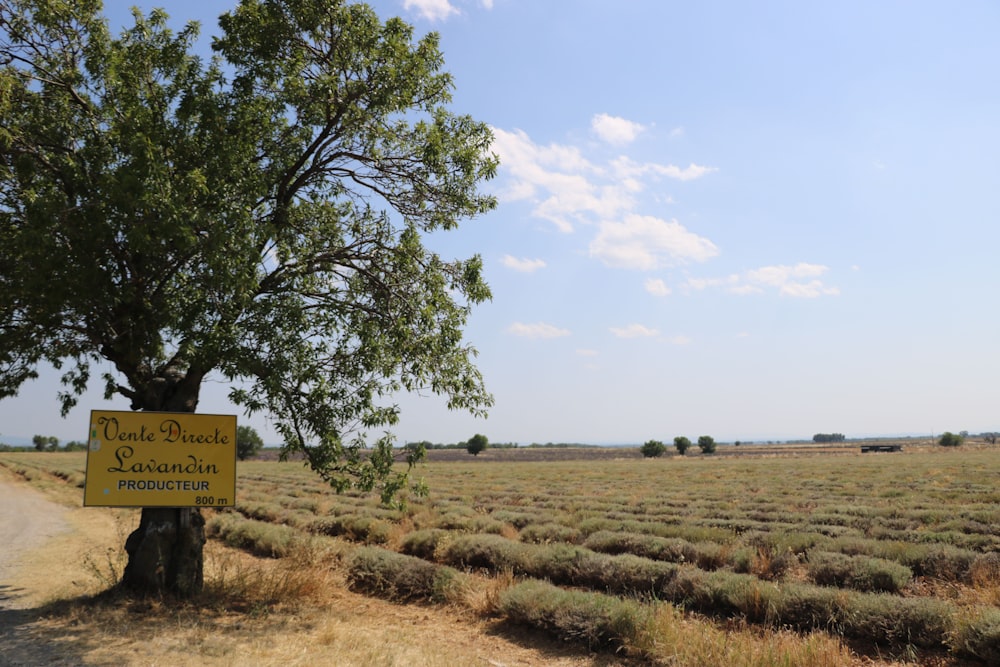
829	437
655	448
47	443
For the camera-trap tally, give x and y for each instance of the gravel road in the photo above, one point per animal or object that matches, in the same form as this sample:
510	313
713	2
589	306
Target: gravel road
27	520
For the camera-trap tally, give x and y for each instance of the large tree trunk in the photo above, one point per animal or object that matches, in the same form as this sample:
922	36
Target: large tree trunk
165	553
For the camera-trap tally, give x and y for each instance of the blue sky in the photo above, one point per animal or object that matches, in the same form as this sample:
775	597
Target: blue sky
750	220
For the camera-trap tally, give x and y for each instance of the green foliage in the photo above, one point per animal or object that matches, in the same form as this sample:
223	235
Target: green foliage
476	444
828	437
706	444
949	439
682	444
248	442
260	215
653	448
44	443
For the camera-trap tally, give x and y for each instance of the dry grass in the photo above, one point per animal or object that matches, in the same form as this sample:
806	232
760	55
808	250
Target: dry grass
296	609
255	611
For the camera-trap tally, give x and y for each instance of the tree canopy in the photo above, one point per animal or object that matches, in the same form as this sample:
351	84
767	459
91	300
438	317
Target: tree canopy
259	216
653	448
248	442
477	443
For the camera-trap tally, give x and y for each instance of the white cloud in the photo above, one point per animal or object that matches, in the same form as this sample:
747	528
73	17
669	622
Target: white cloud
657	287
809	290
645	243
586	352
628	168
557	178
567	189
634	331
524	265
615	130
487	4
798	281
789	280
537	330
678	340
432	10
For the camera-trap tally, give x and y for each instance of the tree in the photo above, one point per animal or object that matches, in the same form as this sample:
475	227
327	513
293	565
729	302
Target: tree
653	448
248	442
259	216
828	437
706	444
476	444
682	444
949	439
45	443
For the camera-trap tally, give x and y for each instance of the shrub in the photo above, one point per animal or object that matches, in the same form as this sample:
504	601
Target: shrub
862	573
401	578
599	621
576	566
653	449
978	636
706	444
549	532
424	543
949	439
354	527
682	444
258	537
671	549
490	552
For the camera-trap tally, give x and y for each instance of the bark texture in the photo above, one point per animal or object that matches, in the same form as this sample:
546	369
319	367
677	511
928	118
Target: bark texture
165	553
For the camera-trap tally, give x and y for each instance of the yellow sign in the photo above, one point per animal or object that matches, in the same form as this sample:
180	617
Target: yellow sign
160	459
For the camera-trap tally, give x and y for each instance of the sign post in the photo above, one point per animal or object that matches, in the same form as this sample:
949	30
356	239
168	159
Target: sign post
160	459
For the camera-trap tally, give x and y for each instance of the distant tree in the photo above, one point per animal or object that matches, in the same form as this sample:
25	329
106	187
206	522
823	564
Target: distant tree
682	444
949	439
45	443
476	444
248	442
75	446
707	444
829	437
737	443
653	448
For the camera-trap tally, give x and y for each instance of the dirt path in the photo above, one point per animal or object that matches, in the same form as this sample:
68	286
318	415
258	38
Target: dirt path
27	521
